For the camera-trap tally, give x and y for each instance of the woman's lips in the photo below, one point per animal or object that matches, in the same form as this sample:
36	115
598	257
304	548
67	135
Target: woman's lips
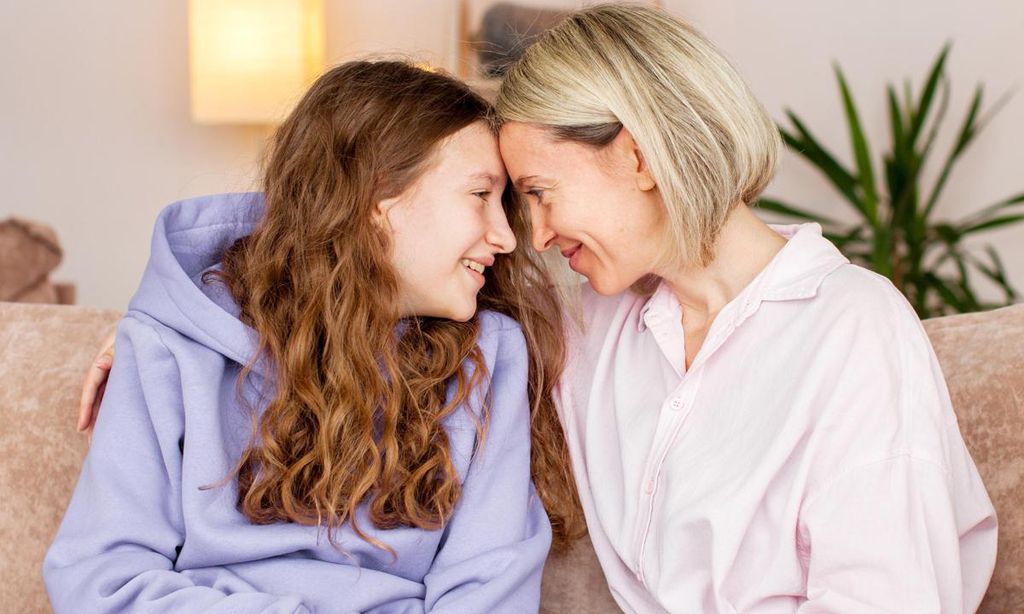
573	256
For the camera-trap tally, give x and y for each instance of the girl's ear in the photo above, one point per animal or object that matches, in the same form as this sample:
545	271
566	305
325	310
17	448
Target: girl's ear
382	214
628	150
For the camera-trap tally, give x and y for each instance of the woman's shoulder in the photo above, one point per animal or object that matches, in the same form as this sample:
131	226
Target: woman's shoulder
890	396
854	295
859	317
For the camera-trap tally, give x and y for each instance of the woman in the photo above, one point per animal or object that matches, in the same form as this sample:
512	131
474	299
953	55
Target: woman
755	424
307	413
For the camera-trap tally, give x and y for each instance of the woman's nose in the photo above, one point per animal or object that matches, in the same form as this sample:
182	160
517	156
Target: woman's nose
542	235
499	233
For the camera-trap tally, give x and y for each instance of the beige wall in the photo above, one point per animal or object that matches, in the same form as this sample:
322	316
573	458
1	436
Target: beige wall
785	50
95	135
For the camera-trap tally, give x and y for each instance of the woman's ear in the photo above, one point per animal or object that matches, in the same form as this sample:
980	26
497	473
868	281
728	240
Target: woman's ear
628	150
644	179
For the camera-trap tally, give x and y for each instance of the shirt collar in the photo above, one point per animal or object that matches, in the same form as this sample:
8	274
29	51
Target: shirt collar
795	273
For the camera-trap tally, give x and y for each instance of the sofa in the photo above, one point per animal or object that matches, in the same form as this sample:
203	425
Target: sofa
47	348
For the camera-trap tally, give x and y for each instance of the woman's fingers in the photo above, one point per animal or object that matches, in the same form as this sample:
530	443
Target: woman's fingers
95	384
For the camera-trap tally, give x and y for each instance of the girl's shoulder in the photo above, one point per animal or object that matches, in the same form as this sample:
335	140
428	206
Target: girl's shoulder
500	339
506	362
496	323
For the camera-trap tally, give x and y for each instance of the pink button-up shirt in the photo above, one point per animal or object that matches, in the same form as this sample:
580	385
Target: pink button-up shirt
808	460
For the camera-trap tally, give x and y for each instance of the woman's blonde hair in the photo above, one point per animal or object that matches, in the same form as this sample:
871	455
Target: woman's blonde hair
707	141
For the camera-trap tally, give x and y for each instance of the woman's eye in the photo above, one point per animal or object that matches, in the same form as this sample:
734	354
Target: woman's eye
537	193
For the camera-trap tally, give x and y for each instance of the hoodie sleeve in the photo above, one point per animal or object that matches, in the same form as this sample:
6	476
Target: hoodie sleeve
496	542
117	545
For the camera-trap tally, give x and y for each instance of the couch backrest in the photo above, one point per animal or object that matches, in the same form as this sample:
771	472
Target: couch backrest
46	350
982	358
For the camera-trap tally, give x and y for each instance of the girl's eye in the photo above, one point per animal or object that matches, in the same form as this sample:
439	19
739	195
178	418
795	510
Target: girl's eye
484	196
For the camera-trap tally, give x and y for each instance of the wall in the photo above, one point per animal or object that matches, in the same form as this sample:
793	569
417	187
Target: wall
785	50
95	135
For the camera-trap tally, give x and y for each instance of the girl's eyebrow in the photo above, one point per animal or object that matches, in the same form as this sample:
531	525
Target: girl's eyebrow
488	177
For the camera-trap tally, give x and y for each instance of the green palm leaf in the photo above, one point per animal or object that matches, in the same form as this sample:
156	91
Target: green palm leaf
777	206
865	173
807	146
989	211
991	224
928	260
928	94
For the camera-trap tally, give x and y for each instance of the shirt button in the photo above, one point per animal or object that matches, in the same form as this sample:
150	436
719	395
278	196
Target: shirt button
649	487
676	404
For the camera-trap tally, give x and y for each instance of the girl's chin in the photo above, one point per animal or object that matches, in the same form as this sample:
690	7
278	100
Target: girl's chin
463	312
463	317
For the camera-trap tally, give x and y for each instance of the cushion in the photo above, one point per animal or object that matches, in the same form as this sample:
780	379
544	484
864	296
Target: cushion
28	252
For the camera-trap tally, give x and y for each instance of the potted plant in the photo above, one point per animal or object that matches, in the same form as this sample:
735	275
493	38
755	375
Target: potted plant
897	233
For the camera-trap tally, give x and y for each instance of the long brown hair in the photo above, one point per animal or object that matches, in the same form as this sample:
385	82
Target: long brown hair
354	414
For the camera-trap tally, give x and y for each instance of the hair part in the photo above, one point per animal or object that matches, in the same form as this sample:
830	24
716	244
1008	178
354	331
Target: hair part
707	141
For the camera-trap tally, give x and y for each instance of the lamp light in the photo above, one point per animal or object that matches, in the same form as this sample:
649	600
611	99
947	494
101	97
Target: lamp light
250	60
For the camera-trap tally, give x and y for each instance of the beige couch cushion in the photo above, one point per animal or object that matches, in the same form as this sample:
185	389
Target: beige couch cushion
46	350
982	357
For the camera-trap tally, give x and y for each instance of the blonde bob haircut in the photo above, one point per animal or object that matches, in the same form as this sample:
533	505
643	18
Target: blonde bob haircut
707	141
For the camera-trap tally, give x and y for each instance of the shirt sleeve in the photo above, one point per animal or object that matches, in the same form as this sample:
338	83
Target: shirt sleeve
902	523
494	547
116	547
883	537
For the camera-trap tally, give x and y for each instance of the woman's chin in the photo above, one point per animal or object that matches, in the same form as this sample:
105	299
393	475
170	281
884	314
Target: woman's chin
606	287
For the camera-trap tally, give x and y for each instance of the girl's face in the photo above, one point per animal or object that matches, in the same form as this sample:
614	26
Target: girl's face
600	208
449	225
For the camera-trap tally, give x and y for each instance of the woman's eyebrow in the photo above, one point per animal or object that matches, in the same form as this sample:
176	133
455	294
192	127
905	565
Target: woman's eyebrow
529	179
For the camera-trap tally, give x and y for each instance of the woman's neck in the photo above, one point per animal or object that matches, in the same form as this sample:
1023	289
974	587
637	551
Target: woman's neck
744	248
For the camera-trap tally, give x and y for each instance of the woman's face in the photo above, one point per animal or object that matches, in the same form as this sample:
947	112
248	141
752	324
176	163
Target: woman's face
600	208
449	225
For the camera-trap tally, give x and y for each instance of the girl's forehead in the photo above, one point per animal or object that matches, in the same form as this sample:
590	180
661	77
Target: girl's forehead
470	154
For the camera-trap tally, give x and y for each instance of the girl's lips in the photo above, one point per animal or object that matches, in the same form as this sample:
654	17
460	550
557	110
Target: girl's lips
477	277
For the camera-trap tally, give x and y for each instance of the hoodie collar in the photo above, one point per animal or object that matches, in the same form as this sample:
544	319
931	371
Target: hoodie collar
190	237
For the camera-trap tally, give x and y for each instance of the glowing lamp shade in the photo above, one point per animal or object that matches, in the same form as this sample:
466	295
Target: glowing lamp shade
250	60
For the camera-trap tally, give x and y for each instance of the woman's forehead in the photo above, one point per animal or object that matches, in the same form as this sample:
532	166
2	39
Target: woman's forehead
532	152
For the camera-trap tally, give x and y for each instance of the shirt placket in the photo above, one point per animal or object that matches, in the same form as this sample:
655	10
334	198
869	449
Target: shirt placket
675	410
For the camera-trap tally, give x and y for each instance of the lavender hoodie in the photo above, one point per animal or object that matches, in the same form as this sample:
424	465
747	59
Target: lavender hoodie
141	533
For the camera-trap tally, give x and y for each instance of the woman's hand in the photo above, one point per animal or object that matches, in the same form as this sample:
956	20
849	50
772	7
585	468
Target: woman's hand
95	384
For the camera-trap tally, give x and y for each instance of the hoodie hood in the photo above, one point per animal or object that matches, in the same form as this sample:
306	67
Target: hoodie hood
190	237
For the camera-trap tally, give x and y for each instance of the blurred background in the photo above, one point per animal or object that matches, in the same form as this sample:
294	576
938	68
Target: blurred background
97	132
